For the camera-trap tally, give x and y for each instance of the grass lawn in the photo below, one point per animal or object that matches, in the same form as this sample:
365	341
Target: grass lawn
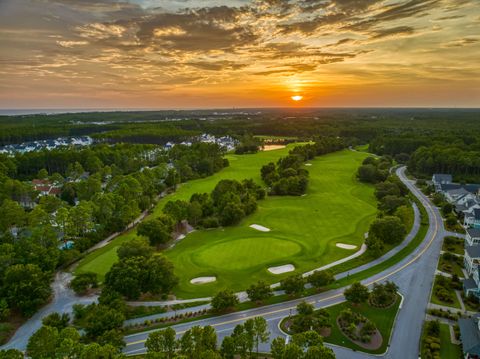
102	259
453	266
454	245
435	300
382	318
304	230
448	350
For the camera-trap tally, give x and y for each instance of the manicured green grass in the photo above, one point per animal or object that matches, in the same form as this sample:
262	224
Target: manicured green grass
382	318
304	230
103	258
448	350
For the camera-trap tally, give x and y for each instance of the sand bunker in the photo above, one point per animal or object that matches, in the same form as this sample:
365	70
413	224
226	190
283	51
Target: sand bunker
272	147
345	246
203	280
308	164
260	228
282	269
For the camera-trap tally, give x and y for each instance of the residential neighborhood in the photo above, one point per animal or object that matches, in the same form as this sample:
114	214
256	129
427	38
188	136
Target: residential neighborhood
465	199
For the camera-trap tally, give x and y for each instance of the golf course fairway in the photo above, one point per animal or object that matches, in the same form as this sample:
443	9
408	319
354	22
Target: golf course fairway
303	230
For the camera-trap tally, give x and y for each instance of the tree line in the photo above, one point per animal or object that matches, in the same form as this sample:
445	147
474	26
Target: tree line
395	215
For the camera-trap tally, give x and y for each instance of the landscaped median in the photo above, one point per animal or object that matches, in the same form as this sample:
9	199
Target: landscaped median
361	327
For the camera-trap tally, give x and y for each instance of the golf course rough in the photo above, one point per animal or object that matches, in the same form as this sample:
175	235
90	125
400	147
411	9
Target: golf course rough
337	209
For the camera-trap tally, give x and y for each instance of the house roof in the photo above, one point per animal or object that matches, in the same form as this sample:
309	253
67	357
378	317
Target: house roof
472	188
442	177
470	335
462	192
469	283
473	232
473	251
476	213
40	181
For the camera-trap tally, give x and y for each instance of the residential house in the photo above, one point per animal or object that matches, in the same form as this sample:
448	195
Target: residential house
471	259
46	187
464	208
440	178
458	195
472	237
472	219
470	336
472	188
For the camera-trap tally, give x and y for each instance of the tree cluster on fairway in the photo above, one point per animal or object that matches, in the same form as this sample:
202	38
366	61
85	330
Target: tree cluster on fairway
158	230
140	271
248	144
394	214
287	177
374	170
228	203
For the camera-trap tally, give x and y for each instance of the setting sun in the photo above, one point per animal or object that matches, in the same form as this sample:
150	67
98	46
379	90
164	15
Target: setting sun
297	98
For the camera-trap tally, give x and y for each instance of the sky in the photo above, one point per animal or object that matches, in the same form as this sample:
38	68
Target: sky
239	53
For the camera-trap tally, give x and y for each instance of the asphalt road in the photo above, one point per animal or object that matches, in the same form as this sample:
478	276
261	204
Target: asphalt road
414	276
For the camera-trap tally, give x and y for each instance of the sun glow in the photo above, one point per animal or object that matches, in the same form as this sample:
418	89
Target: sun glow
297	98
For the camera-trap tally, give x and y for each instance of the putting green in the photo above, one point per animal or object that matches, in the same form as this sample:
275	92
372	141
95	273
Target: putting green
304	230
243	253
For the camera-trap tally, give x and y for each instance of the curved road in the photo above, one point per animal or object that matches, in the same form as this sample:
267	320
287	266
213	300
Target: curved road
414	276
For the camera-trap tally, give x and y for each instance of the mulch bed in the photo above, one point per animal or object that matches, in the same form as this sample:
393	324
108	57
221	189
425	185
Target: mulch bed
375	341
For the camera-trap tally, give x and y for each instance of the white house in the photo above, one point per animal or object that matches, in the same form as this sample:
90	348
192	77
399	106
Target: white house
471	259
472	237
472	219
440	178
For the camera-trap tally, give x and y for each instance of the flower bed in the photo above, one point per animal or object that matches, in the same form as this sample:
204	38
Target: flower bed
359	329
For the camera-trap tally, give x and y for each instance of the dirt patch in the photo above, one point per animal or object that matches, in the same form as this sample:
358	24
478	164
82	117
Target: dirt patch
282	269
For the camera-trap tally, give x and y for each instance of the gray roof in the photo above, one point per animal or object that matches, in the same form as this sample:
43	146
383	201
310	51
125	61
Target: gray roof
458	192
442	177
473	251
476	213
472	188
469	283
470	335
473	232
